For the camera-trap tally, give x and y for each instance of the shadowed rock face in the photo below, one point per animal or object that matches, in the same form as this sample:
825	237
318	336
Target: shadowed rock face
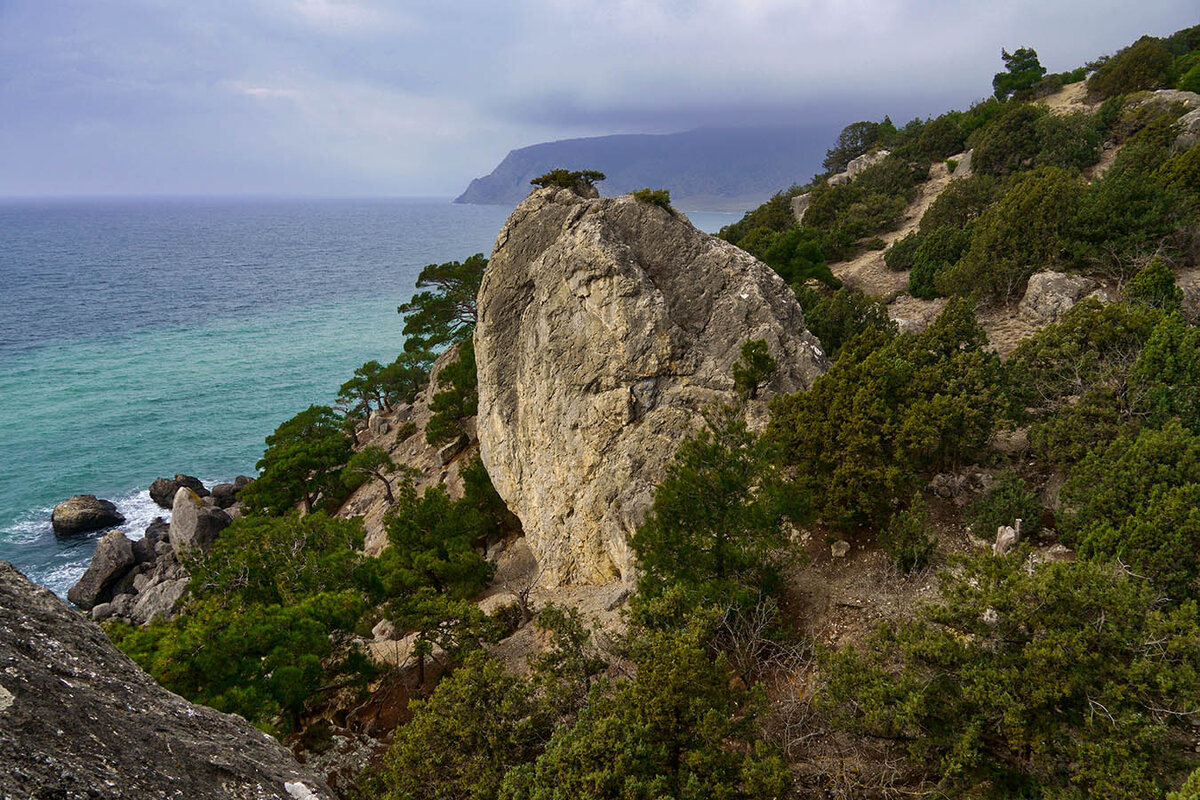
605	328
80	720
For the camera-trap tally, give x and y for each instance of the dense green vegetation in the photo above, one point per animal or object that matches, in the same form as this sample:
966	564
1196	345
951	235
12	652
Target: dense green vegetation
655	197
1025	207
1067	682
1032	675
270	621
302	463
1021	71
890	410
721	503
568	179
436	319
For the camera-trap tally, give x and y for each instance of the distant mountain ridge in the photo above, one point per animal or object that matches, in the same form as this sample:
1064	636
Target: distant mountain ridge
707	169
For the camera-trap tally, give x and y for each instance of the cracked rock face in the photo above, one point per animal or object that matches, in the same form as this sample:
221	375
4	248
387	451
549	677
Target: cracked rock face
605	328
80	720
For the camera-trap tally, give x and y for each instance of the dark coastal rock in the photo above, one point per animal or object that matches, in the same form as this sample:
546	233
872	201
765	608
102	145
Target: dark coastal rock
127	583
83	513
241	482
113	558
163	490
193	524
143	550
224	495
158	530
78	719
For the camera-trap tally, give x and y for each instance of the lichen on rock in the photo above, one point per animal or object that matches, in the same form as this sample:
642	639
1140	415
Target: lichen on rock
79	719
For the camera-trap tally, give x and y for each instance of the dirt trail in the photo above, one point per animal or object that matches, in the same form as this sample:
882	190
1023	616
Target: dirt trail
1069	99
866	271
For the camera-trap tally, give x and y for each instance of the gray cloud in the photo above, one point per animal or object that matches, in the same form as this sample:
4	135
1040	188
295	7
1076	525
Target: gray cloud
374	97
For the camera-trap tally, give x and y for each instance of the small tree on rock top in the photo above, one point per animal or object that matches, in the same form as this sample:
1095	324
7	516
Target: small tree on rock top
581	182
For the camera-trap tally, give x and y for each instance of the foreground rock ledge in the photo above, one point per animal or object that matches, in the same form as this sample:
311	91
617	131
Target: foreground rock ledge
80	720
605	328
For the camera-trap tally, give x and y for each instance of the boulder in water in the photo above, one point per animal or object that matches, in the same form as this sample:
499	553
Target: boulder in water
163	490
83	513
224	495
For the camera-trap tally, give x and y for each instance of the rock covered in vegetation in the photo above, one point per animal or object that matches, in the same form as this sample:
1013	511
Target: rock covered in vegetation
83	513
79	719
405	442
1050	294
163	490
605	328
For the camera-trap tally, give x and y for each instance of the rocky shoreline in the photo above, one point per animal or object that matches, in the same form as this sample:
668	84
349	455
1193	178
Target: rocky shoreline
141	580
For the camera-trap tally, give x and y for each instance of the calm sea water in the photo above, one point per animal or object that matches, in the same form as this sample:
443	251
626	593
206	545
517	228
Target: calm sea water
141	338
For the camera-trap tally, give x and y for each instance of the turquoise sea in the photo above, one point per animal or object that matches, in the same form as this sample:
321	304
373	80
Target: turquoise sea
141	338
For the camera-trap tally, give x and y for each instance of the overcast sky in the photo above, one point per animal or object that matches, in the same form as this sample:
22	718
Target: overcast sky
367	97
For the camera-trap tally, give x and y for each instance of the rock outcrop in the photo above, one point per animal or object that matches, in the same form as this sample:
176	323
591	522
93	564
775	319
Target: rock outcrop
402	436
858	165
605	328
112	559
194	524
83	513
1189	131
1049	295
80	720
136	581
800	204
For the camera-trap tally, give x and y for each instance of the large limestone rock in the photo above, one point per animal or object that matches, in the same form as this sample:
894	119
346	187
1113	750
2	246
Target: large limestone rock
83	513
79	719
194	525
857	166
1165	98
112	559
605	328
800	205
864	162
1049	295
